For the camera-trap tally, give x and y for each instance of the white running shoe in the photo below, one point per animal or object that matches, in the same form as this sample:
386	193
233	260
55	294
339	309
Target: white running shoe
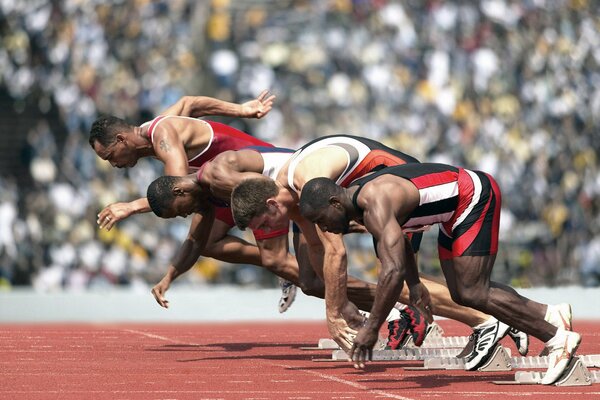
485	340
561	316
521	340
288	294
562	348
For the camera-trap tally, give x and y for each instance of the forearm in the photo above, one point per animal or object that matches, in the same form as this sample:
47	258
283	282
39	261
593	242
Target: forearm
140	206
411	268
335	276
199	106
389	287
185	258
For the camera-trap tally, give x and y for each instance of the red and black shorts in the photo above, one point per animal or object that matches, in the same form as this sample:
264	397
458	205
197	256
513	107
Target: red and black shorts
473	229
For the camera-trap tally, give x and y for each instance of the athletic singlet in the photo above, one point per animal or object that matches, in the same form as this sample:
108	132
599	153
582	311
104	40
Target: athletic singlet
363	155
223	138
438	186
465	203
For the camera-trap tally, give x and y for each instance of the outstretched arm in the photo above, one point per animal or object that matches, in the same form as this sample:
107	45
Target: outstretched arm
200	106
188	254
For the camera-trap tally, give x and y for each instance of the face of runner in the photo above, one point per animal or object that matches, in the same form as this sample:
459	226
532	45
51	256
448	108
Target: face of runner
330	219
182	206
119	153
273	219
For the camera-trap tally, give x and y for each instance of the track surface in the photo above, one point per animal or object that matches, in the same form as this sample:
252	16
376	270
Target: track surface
234	361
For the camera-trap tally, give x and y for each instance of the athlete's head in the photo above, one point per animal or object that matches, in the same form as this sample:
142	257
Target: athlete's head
170	196
320	203
254	205
111	139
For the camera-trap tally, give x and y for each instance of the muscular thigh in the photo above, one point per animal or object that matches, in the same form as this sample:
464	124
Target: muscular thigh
468	272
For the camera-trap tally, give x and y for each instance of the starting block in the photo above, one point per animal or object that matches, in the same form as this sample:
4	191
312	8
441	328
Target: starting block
576	374
415	354
501	361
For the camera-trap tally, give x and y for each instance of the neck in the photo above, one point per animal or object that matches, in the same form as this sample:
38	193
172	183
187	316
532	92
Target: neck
142	142
348	204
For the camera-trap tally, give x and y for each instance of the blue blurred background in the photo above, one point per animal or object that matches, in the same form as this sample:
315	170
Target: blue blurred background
508	87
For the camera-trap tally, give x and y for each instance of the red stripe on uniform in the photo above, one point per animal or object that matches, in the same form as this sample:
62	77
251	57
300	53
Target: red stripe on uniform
462	243
496	219
434	179
373	159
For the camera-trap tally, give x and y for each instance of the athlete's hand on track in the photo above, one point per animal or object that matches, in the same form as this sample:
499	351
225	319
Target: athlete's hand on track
362	348
419	297
258	107
113	213
159	290
341	333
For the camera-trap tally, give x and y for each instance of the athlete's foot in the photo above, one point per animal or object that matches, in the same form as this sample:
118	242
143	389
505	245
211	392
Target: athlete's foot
485	339
416	324
397	334
561	316
562	348
521	340
288	294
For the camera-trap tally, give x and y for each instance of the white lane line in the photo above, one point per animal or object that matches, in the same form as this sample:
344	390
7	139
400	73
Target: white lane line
153	336
344	381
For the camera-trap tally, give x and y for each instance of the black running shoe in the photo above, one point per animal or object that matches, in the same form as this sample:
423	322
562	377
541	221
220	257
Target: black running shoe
397	334
485	340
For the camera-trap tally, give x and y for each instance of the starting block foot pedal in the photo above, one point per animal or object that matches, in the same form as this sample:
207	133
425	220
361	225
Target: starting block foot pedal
499	361
576	374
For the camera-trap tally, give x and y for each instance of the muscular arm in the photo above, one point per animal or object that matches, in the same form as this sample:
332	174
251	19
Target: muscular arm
188	253
230	168
200	106
380	220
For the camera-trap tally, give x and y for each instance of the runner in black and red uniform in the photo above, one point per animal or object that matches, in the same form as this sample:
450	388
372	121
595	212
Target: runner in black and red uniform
466	205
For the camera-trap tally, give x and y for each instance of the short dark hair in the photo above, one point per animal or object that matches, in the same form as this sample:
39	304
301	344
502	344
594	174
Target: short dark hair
316	194
249	199
160	194
105	129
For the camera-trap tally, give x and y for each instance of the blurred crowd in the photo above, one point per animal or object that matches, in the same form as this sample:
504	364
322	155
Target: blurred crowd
508	87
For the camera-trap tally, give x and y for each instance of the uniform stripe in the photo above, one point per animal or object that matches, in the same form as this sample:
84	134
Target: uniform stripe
474	199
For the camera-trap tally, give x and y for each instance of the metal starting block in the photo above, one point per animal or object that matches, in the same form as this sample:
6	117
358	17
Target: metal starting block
501	361
415	354
576	374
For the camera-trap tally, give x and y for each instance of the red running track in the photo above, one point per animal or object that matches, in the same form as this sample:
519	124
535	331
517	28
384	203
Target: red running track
233	361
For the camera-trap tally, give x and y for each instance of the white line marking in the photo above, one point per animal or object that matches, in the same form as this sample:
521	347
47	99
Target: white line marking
344	381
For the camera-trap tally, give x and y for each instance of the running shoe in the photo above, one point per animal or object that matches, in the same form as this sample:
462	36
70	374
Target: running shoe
561	351
561	316
485	339
397	334
410	321
416	324
521	340
288	294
